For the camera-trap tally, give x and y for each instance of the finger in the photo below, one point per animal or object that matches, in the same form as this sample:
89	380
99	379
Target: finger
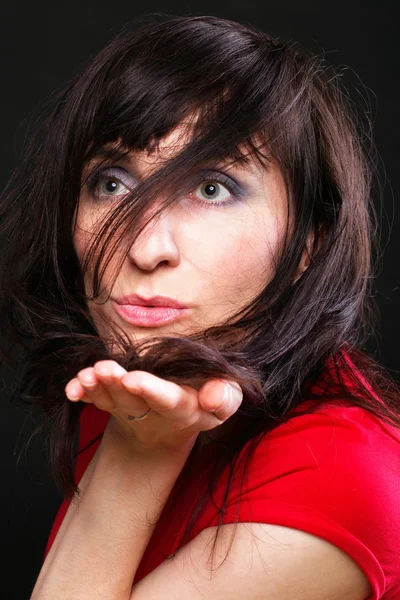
221	398
165	397
110	374
75	391
94	389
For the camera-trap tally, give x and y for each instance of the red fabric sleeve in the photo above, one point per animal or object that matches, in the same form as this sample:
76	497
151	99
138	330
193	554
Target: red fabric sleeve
334	474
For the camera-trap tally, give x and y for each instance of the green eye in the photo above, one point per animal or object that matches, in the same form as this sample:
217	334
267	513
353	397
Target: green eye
104	183
213	191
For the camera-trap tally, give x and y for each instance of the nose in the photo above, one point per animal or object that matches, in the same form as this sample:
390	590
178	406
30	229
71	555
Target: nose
156	244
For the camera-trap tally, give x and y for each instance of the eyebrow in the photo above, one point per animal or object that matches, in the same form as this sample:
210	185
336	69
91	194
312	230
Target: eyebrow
115	153
125	157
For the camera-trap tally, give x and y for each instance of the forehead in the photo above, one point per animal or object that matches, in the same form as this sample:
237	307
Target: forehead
175	141
171	145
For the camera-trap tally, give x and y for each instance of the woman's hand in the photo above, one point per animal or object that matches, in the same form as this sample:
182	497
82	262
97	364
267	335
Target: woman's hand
179	412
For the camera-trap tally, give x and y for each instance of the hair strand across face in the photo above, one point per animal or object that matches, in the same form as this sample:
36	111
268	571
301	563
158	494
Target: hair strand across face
243	95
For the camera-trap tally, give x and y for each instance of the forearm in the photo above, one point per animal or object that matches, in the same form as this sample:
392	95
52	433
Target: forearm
104	535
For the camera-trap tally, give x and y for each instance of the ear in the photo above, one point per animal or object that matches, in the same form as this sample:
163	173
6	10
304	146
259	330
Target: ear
306	256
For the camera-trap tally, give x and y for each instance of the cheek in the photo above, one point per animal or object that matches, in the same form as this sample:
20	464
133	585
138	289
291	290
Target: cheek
78	234
78	243
237	251
86	231
81	240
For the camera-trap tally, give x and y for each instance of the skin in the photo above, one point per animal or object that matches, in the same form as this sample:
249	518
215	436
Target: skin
183	254
137	463
228	272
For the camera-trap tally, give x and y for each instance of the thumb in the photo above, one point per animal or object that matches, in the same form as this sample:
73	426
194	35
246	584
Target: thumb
221	397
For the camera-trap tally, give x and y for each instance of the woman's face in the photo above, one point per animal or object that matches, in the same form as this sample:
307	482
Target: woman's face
214	258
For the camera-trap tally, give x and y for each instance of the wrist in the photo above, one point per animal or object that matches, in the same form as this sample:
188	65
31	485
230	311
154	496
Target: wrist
125	476
120	440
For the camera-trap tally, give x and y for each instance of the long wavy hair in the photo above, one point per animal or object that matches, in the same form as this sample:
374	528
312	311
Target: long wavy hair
254	98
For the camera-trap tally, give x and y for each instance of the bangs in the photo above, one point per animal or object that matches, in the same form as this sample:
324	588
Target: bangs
231	90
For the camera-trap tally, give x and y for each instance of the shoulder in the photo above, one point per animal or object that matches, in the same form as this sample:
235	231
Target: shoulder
341	461
334	444
337	437
333	474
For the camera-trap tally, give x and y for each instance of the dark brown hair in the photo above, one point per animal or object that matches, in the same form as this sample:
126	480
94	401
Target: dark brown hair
256	98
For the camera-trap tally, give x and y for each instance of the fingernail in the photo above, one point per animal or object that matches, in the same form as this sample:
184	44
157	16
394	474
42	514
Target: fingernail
72	395
120	371
89	380
231	390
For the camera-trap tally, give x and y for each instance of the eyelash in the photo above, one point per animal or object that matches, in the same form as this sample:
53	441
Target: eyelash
234	189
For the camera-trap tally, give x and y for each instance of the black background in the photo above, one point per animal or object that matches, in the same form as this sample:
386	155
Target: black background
44	44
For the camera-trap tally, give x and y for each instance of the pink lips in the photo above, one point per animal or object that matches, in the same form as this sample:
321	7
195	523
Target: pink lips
145	316
137	300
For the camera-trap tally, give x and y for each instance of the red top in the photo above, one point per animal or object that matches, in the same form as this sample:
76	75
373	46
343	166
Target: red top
334	473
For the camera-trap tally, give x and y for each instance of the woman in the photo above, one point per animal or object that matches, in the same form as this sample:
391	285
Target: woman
200	159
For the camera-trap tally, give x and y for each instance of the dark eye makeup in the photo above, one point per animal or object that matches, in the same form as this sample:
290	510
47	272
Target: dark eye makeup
204	176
